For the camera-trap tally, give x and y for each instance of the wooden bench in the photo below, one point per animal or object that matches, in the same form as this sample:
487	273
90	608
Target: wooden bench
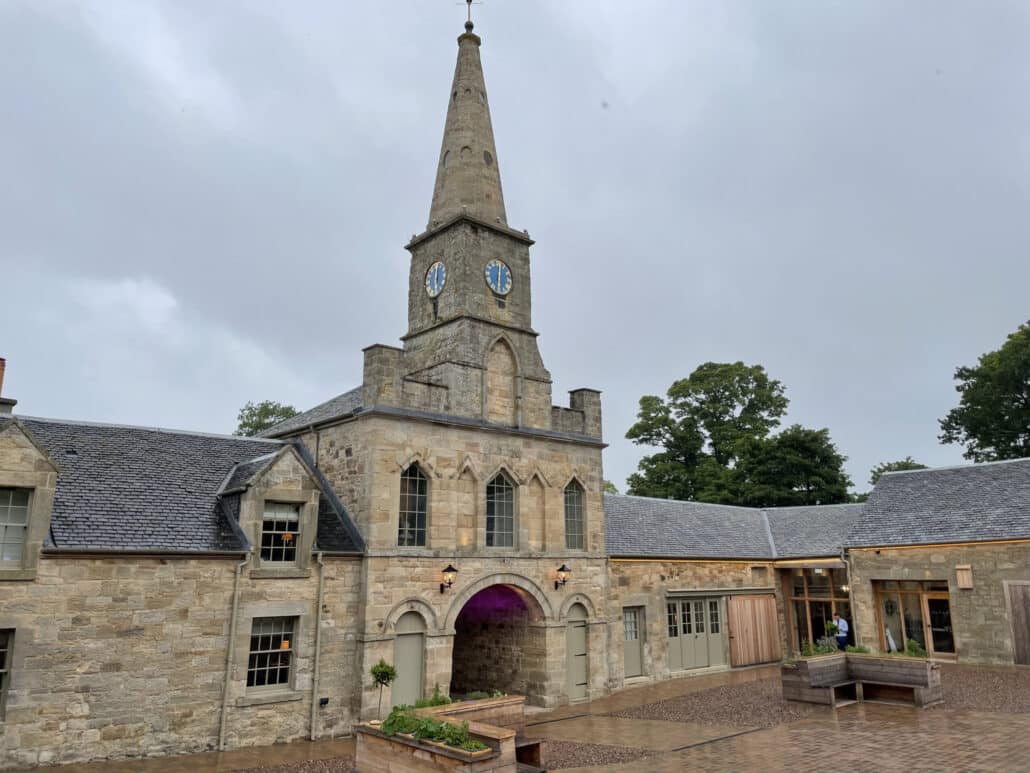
529	754
871	691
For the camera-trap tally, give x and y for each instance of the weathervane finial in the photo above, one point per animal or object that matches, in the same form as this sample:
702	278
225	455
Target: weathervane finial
468	24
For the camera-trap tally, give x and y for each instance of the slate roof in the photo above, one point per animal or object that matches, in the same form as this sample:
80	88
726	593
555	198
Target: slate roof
339	406
819	530
975	503
141	489
643	527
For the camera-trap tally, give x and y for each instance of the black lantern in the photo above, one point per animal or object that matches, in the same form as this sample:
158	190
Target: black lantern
563	576
448	577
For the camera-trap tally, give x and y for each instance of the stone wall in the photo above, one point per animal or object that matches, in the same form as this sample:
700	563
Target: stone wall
979	616
126	656
648	584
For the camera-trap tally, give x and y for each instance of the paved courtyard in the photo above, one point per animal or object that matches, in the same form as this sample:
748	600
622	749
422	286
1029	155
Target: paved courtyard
732	722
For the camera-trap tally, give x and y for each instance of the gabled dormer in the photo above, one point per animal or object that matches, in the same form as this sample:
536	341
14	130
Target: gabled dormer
28	477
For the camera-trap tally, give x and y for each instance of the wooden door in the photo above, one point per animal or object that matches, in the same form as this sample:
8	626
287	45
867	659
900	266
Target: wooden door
699	650
940	639
633	641
1019	608
675	643
576	652
754	630
716	635
408	653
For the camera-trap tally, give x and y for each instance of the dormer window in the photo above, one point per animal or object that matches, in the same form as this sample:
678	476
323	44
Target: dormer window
280	532
14	520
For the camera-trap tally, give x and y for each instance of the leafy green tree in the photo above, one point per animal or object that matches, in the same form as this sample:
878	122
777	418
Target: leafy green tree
700	426
257	418
796	467
609	488
992	419
383	675
908	463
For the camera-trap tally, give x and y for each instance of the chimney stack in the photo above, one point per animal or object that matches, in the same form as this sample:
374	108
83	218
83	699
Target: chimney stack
6	403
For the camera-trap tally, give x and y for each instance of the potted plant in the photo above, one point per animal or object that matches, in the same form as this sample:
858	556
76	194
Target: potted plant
383	675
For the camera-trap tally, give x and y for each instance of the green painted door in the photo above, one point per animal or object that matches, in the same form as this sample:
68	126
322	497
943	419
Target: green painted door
695	633
633	641
675	643
576	652
716	637
408	649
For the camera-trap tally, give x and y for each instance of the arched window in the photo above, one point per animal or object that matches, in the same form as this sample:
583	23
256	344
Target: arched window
411	531
574	538
500	512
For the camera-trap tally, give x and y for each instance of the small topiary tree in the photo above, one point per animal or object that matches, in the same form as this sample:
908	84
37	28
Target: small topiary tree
383	675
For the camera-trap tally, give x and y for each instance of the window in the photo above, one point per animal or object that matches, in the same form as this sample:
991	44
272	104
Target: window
574	516
672	619
412	528
815	595
630	625
279	532
6	640
713	615
14	519
500	512
271	651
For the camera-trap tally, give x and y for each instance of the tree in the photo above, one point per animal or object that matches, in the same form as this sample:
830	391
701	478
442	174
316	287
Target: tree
609	488
253	419
383	675
796	467
700	427
992	419
908	463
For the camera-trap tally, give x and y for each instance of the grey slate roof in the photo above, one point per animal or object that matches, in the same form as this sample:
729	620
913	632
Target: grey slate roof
950	504
818	530
142	489
641	526
339	406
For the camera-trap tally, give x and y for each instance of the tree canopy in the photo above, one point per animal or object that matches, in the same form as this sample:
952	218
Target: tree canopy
713	435
908	463
255	418
992	419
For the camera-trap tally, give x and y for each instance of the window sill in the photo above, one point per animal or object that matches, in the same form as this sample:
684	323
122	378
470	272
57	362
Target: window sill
17	574
285	573
261	699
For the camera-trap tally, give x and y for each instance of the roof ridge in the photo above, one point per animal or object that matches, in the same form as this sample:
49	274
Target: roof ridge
973	466
166	430
796	507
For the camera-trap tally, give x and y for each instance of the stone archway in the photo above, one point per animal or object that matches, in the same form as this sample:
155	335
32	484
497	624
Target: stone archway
500	643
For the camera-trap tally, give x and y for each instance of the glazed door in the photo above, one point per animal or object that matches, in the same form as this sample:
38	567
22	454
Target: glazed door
937	613
633	641
716	642
695	631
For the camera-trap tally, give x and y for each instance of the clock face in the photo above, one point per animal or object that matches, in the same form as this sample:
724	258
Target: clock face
436	277
498	277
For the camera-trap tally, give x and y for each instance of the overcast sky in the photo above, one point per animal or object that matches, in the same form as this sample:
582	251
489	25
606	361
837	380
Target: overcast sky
204	203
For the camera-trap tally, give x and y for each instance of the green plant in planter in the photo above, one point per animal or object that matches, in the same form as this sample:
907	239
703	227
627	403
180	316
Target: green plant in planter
401	720
807	650
383	675
914	650
857	648
437	699
832	629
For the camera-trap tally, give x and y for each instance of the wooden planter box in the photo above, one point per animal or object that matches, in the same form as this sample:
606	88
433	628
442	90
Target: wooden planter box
839	679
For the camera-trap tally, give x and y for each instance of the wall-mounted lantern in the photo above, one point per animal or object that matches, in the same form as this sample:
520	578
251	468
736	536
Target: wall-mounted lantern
563	576
845	588
448	577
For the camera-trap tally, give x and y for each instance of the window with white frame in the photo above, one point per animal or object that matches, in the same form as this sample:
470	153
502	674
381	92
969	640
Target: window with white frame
411	531
271	651
500	512
14	521
280	532
574	539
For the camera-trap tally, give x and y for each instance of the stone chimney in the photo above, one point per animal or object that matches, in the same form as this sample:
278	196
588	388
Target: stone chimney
6	403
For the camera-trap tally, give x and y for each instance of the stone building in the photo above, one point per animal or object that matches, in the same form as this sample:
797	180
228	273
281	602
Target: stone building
164	592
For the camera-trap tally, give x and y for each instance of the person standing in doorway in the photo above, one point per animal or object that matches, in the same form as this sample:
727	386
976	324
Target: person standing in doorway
842	631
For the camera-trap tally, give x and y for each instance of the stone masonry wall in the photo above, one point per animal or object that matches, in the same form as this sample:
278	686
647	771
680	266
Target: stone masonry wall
648	584
126	657
979	616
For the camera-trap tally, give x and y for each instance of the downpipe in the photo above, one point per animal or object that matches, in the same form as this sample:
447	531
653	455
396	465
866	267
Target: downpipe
318	642
228	650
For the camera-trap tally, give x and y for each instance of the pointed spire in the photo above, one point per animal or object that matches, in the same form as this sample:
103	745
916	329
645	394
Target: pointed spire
467	178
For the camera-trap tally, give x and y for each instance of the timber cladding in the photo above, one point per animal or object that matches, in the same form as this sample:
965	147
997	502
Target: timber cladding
754	629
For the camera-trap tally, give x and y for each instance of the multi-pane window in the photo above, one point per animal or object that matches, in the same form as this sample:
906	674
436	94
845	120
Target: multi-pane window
672	619
6	640
500	512
574	516
14	519
280	530
414	491
630	625
271	651
713	615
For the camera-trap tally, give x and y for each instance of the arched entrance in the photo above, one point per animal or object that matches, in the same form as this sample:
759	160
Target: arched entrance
576	652
500	644
408	653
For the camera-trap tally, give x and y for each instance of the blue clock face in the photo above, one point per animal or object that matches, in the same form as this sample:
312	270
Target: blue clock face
436	277
498	277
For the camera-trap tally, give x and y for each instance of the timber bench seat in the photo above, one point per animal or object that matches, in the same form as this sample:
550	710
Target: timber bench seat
872	691
529	753
842	679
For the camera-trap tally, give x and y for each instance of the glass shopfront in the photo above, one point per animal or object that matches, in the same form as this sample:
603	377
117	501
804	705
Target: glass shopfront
815	594
914	611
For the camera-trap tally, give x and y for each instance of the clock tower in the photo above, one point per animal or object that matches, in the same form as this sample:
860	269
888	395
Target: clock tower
470	349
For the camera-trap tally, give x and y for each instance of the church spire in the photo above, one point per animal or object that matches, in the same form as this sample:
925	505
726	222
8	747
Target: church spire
467	178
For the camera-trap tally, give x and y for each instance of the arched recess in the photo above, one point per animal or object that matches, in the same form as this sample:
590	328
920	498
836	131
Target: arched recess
524	584
580	599
409	653
412	604
500	398
500	643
